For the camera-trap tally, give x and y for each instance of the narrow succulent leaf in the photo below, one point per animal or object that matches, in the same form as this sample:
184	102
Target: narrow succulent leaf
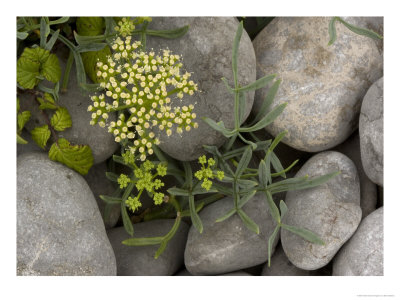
277	140
257	84
262	174
268	167
269	98
246	198
120	160
112	176
244	162
77	157
178	192
52	40
90	47
271	242
222	189
87	39
231	90
285	170
194	216
246	184
199	207
126	220
283	208
20	140
22	35
304	233
285	185
250	224
170	33
143	241
235	49
332	31
267	119
276	163
220	127
198	190
273	209
188	174
253	145
40	135
44	32
111	200
226	216
161	249
242	107
59	21
173	230
361	31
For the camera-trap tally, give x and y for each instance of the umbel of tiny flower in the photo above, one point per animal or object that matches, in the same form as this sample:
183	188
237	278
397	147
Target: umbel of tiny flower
142	84
206	173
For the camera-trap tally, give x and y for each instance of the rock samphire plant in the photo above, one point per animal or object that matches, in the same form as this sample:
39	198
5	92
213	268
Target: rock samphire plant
136	70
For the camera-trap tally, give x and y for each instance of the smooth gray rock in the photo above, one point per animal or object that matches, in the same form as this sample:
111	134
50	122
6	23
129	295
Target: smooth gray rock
368	189
323	85
184	272
237	273
229	245
371	132
281	266
100	185
82	133
206	50
59	227
140	261
362	255
331	210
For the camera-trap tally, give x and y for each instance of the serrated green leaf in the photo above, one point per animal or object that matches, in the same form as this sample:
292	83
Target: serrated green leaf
22	118
257	84
20	140
273	209
194	216
40	135
169	33
271	242
111	200
283	208
90	60
267	119
90	25
126	220
267	101
143	241
47	102
77	157
226	216
27	70
244	162
51	69
61	119
250	224
304	233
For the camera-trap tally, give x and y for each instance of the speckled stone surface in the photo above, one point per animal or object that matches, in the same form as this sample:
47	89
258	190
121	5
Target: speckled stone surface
362	255
100	185
368	189
331	210
139	261
229	245
59	226
323	85
82	133
206	50
371	132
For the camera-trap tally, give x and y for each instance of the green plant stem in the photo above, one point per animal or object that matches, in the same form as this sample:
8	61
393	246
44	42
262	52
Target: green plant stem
67	72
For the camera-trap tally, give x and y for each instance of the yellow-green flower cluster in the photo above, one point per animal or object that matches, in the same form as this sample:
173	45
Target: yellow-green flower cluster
206	173
125	27
123	181
133	203
142	84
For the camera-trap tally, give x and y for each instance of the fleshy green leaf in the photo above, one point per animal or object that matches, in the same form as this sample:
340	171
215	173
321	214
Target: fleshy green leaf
169	34
250	224
283	208
90	60
194	216
51	69
125	220
110	200
40	135
226	216
22	118
61	119
268	100
273	209
77	157
305	234
90	25
244	161
271	242
143	241
267	119
257	84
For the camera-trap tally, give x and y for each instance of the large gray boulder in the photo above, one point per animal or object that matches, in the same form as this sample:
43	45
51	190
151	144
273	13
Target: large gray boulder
206	50
371	132
362	255
323	85
59	226
139	260
229	245
331	210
